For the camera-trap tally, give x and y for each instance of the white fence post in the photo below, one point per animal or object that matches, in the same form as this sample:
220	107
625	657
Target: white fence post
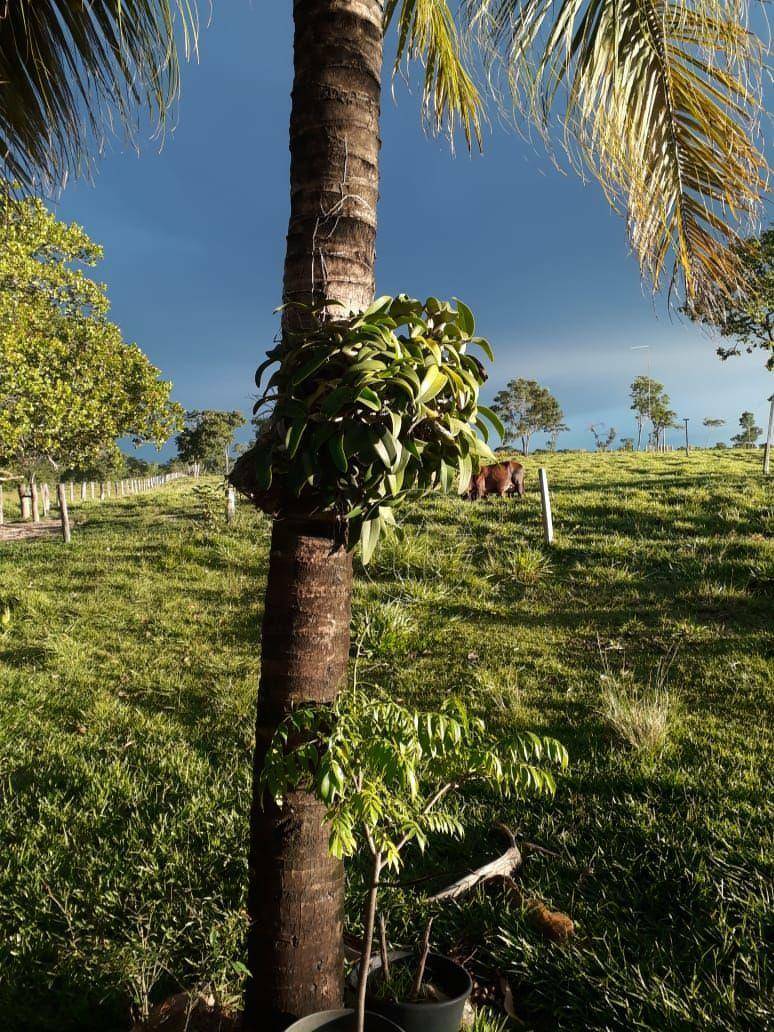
769	437
545	499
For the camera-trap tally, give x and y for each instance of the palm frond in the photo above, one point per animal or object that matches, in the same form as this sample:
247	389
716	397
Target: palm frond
660	100
427	32
70	68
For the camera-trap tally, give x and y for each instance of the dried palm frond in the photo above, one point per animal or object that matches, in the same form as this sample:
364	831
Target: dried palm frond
660	100
68	68
427	31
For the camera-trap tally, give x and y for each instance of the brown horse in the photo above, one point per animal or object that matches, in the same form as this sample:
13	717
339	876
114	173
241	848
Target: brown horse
503	478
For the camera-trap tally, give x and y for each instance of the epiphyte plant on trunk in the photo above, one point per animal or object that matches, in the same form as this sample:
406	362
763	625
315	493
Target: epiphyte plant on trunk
661	104
362	414
389	777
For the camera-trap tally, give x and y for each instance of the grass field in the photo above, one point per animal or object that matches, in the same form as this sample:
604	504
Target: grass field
642	639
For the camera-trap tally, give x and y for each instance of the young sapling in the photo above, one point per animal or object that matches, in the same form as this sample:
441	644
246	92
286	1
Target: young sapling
388	776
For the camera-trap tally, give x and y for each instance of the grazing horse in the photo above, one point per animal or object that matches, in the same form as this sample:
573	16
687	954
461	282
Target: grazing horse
503	478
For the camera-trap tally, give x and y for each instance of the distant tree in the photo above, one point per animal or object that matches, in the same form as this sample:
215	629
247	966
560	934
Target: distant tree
713	424
174	465
258	423
553	435
526	408
70	386
133	465
749	319
627	444
602	441
650	403
663	418
749	434
207	436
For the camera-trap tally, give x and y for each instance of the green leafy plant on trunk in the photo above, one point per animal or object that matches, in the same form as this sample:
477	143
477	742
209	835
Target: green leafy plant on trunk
367	408
389	775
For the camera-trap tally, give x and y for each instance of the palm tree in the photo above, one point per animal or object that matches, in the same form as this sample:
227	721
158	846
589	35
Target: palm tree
658	100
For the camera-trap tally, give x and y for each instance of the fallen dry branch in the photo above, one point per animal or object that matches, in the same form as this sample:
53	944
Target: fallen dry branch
503	867
551	924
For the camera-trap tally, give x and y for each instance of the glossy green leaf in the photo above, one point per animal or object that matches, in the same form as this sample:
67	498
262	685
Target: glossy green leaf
467	322
336	448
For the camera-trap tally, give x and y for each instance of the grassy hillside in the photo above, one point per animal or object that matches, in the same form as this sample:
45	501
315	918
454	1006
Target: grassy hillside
642	639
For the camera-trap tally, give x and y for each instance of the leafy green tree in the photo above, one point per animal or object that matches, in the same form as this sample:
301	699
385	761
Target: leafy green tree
207	437
69	384
749	433
134	466
108	463
678	160
663	418
748	315
650	402
525	408
112	463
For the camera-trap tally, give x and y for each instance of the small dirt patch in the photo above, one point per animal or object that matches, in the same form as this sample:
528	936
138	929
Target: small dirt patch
181	1013
23	531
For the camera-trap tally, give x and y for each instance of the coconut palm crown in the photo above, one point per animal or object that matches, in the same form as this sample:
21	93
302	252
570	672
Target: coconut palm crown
658	99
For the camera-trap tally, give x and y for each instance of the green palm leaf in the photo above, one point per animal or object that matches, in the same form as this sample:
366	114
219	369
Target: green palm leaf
659	99
70	68
427	32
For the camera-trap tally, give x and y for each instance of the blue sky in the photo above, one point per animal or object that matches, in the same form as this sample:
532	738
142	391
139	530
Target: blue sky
194	237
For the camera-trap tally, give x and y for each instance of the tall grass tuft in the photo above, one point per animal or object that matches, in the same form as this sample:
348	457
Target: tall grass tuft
382	629
641	716
527	566
487	1021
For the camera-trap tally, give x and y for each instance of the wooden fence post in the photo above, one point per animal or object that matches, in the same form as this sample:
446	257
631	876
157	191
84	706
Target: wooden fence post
545	499
230	504
46	496
63	513
72	490
24	500
35	502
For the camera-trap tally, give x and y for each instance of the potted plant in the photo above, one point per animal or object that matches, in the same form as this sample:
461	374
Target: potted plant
389	776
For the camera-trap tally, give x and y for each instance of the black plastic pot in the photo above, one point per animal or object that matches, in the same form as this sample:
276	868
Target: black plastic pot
342	1021
429	1015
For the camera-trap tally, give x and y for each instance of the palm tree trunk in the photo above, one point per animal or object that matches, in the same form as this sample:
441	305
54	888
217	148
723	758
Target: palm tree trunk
295	897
